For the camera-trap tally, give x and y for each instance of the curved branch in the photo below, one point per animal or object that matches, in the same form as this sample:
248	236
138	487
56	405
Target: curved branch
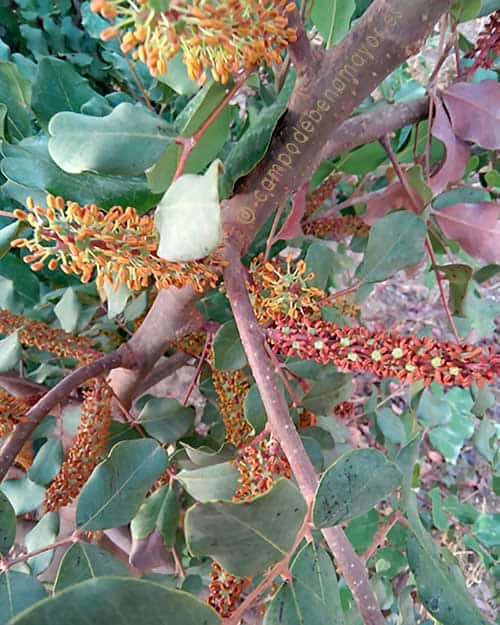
281	424
123	357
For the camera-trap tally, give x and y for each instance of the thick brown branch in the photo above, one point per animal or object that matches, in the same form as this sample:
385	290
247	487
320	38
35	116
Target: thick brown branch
283	429
121	358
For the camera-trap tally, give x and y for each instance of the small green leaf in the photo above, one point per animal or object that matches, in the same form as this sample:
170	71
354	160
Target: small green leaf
118	601
8	234
391	426
166	419
205	456
326	393
17	592
416	179
253	410
15	93
86	561
320	259
487	529
44	533
396	241
332	18
10	352
229	354
352	485
7	525
311	596
439	517
68	310
188	217
118	485
244	154
124	143
25	281
465	10
248	537
361	530
159	511
440	584
58	87
464	512
117	295
459	277
47	462
211	483
24	495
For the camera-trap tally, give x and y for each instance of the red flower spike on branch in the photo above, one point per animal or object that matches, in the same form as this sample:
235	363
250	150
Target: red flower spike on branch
337	226
317	197
259	465
386	355
12	410
87	449
487	47
221	37
116	247
33	333
231	388
225	590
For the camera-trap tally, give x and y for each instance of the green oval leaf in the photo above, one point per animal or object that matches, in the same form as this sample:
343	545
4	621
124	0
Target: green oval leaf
396	241
248	537
119	601
353	485
166	419
44	533
440	584
85	561
10	352
47	462
117	486
17	592
311	596
229	354
126	142
58	87
218	481
7	524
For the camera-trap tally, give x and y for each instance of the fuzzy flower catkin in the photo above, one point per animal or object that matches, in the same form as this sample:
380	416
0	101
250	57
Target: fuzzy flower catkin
33	333
12	411
114	247
87	448
408	358
220	37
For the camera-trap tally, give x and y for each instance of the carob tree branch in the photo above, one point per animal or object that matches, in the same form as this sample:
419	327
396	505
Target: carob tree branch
341	79
282	427
122	357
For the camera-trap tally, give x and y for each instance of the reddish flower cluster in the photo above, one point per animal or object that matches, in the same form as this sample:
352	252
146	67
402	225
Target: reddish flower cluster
282	287
307	419
225	590
37	334
487	47
12	410
386	355
337	226
344	410
259	465
231	388
317	197
116	247
87	449
223	36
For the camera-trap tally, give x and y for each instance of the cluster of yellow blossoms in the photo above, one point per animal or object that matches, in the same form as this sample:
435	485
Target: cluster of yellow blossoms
116	247
223	36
